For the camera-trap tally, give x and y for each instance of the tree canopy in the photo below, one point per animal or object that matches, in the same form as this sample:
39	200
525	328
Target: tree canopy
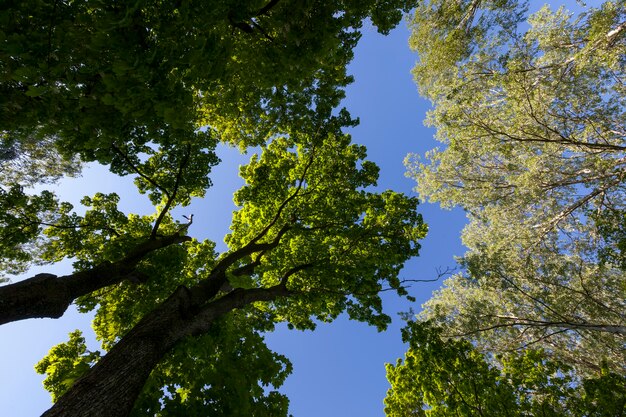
149	89
530	112
90	75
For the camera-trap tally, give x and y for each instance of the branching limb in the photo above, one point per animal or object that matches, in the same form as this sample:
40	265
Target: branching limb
284	204
211	286
265	9
170	198
285	278
138	171
46	295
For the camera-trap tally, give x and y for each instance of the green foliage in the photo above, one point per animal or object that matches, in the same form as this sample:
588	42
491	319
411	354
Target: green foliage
440	377
531	122
149	88
229	371
93	74
101	230
332	243
317	191
65	363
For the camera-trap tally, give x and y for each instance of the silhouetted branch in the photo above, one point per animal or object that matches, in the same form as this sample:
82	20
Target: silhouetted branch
170	199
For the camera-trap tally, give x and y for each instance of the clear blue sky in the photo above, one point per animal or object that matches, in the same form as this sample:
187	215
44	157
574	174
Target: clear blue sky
339	368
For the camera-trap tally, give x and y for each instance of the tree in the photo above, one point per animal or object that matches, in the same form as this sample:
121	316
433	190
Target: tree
309	242
533	127
450	377
117	83
149	89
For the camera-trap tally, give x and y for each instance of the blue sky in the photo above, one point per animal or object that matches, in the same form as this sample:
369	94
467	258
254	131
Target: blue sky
339	368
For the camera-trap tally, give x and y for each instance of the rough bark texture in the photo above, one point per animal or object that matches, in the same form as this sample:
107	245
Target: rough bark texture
111	387
46	295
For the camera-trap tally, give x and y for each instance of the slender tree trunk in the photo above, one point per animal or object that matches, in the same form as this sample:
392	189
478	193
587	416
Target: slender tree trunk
570	325
46	295
607	328
111	387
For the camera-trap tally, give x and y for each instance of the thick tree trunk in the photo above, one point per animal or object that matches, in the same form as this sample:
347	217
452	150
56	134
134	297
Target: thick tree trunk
112	386
47	295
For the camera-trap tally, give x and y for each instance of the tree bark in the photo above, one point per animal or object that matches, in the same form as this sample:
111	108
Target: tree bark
46	295
111	387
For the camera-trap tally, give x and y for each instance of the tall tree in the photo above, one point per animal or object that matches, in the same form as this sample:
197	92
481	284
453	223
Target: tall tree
118	82
149	88
309	242
533	126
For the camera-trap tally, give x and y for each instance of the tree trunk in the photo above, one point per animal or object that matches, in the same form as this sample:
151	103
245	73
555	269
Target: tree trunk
46	295
111	387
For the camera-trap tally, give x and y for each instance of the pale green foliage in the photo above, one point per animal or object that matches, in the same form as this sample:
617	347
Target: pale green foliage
22	220
451	378
445	32
533	130
33	160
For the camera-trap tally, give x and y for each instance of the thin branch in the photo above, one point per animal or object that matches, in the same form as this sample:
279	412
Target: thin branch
521	321
170	199
267	8
138	172
526	294
282	206
474	120
546	226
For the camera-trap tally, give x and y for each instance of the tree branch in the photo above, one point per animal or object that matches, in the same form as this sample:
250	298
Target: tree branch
170	199
265	9
138	171
46	295
282	206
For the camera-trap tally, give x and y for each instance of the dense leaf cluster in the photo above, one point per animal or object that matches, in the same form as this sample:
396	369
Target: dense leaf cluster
441	377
